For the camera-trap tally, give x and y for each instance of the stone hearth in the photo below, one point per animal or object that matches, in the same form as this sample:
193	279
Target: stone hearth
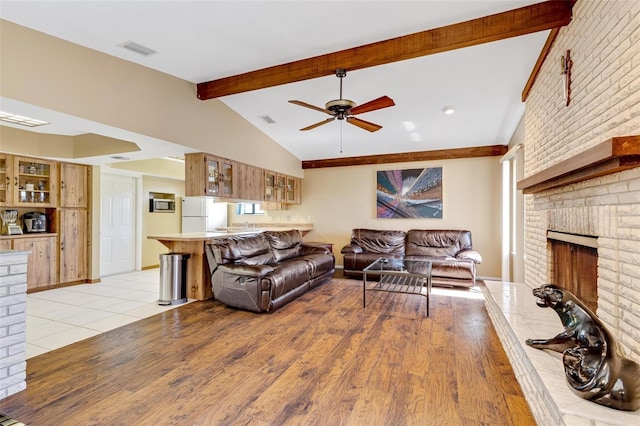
516	317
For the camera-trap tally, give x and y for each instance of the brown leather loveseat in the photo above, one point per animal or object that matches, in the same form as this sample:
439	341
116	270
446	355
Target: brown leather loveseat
450	251
262	272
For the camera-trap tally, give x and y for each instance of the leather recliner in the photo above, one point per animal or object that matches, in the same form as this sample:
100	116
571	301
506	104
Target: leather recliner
450	252
263	272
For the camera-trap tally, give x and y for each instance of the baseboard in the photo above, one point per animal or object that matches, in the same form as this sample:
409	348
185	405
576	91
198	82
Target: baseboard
144	268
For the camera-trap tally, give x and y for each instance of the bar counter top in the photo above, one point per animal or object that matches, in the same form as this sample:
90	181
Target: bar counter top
193	243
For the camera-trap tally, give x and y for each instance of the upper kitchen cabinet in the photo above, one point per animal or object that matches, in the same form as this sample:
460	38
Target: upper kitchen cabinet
74	184
6	176
272	191
249	182
209	175
292	190
281	188
34	182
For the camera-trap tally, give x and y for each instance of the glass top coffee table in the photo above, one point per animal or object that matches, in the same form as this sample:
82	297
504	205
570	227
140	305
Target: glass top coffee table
398	276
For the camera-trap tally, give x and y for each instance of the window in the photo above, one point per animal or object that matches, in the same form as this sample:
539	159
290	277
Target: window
246	208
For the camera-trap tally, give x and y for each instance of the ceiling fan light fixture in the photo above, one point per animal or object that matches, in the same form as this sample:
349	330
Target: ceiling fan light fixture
448	109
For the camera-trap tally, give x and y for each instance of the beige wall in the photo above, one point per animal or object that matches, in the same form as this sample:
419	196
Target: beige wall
339	199
159	223
51	73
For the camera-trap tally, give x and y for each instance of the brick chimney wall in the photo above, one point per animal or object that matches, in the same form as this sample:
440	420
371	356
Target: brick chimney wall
604	40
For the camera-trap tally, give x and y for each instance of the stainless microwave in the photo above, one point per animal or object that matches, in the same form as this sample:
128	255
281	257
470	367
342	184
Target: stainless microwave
162	206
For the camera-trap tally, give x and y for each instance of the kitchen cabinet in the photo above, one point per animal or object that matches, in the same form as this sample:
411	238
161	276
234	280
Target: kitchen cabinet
209	175
6	175
274	184
206	174
42	261
281	188
249	182
292	190
74	236
34	182
74	183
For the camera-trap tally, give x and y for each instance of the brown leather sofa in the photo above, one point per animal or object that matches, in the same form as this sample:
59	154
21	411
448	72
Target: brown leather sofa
263	272
450	251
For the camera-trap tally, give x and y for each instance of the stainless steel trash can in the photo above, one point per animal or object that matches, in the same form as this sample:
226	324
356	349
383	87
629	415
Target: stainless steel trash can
173	278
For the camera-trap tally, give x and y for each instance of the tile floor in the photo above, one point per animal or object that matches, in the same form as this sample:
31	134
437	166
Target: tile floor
62	316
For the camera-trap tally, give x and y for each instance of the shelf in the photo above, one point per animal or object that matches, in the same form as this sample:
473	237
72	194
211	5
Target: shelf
612	156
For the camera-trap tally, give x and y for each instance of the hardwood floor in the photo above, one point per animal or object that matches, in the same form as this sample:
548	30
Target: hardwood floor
322	359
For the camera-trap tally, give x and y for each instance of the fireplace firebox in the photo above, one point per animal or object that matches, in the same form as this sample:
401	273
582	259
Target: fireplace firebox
574	265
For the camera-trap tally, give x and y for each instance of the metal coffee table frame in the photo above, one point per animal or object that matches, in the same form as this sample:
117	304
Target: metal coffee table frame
399	276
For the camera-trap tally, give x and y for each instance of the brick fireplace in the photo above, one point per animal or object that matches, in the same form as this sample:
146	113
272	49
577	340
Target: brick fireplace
566	191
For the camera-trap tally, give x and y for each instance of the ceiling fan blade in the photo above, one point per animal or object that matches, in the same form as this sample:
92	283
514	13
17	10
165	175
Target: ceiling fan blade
382	102
372	127
313	126
306	105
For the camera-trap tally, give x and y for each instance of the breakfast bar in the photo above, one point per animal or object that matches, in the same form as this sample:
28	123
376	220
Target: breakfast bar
193	243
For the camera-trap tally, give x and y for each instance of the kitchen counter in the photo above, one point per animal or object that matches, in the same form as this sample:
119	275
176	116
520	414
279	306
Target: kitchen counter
192	243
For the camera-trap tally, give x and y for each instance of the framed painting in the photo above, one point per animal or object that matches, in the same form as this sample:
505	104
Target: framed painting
409	193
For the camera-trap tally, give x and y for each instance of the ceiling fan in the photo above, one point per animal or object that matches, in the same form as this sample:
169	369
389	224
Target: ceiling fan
344	109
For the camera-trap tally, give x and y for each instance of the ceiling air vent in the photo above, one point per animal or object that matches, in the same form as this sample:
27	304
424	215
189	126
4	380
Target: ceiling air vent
268	119
138	48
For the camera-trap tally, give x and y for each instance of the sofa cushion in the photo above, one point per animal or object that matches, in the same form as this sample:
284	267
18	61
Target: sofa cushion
287	276
244	250
284	244
437	243
375	241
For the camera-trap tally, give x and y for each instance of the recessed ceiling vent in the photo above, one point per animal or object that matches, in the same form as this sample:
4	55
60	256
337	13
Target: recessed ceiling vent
138	48
268	119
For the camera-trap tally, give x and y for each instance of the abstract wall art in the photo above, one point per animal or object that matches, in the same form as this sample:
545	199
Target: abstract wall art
409	193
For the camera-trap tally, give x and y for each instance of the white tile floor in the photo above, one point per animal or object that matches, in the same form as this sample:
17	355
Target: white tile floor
62	316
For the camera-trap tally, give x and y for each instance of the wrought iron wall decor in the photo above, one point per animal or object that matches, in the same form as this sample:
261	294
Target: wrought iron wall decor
594	365
409	193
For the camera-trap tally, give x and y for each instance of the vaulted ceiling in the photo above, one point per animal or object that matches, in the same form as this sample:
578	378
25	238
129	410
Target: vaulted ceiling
255	56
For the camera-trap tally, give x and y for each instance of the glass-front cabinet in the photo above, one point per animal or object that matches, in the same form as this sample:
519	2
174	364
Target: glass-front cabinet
272	190
219	177
34	182
6	174
292	190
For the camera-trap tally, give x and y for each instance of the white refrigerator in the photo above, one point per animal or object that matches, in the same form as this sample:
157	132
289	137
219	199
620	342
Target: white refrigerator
202	214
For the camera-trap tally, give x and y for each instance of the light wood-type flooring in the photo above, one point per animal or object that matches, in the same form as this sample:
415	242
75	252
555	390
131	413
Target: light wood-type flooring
320	360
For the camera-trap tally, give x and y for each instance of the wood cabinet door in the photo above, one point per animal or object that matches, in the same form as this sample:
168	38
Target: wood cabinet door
249	182
74	185
35	182
73	245
6	175
42	261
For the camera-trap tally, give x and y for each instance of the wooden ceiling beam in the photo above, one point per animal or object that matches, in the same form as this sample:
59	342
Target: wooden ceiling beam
405	157
525	20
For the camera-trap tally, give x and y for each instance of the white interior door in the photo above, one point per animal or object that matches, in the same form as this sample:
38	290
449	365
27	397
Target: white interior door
117	224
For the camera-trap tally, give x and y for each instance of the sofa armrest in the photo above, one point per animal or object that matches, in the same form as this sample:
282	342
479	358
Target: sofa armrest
311	249
254	271
471	255
351	248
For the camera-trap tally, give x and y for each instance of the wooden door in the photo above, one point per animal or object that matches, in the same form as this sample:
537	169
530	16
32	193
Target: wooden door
73	245
74	185
41	262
